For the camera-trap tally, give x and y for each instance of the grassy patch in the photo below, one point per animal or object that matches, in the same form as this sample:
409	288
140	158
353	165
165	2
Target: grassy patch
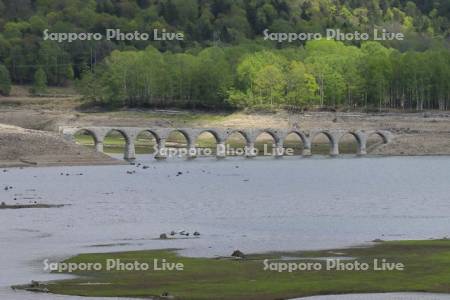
427	265
179	119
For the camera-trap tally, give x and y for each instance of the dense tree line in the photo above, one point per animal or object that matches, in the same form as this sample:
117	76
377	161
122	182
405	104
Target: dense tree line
224	60
325	73
151	78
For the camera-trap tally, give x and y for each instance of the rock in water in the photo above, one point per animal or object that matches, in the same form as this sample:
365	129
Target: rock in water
166	295
238	253
34	283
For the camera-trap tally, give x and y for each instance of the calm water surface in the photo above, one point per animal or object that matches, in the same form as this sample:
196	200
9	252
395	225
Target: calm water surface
253	205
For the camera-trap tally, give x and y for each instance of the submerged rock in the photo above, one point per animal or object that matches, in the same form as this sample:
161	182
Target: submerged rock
166	295
238	253
34	283
32	205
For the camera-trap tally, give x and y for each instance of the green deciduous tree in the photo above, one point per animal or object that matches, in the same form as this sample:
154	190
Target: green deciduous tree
5	81
40	82
302	87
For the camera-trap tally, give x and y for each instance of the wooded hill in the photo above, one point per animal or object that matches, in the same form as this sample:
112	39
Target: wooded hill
224	59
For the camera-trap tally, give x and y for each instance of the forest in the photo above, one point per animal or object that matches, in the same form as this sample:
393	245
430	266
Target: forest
224	60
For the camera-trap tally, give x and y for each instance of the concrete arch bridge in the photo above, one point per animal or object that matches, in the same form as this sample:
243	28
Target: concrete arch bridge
130	134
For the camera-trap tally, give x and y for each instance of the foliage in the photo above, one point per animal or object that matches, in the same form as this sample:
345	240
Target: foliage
224	59
150	78
5	81
40	82
327	74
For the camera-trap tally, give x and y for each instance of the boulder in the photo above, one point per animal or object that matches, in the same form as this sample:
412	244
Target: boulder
238	253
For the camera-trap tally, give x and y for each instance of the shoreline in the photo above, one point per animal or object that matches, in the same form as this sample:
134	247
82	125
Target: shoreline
20	147
116	161
256	255
360	254
21	164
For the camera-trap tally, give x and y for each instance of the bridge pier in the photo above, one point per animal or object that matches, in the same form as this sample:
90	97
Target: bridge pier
279	149
161	152
306	148
250	150
334	148
362	149
362	143
221	150
130	152
99	146
192	151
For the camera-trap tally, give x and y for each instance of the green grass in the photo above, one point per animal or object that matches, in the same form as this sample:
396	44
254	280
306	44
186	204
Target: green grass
427	269
177	120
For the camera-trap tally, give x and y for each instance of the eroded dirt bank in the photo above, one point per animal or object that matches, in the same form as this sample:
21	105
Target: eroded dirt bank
27	147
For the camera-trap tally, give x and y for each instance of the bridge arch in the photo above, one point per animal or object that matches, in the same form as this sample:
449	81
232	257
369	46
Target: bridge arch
214	133
315	147
297	133
303	141
241	133
276	138
183	132
208	142
122	132
384	136
86	131
376	138
356	137
236	143
325	133
266	142
148	131
177	143
146	141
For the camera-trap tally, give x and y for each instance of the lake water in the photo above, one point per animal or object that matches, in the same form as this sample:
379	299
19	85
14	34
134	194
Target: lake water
254	205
